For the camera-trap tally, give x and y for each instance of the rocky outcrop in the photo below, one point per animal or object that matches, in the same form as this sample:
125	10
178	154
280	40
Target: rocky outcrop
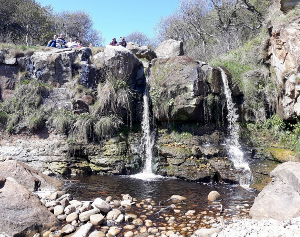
285	58
280	200
121	63
54	155
194	153
21	212
28	177
181	89
142	52
169	48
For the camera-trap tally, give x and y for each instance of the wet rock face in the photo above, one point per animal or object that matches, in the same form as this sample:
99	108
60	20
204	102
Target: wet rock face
194	157
280	200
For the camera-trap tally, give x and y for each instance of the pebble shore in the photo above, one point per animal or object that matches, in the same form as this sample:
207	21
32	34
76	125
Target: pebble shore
261	228
109	218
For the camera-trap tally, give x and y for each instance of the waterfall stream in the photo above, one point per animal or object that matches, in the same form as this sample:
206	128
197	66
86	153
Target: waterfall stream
147	139
235	153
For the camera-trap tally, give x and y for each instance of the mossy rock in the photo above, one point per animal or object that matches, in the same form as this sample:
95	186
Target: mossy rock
283	155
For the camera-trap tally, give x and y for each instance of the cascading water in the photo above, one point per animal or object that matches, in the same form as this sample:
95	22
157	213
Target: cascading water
147	139
236	155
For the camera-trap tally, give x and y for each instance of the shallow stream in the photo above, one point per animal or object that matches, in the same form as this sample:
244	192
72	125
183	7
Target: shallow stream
152	195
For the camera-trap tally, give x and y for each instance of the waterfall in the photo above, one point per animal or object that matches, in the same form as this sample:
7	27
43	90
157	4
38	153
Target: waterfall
147	140
235	153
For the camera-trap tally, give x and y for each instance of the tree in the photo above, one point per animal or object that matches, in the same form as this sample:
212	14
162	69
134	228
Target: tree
204	25
138	38
78	25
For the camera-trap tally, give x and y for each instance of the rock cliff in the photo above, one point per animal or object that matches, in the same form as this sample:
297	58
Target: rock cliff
89	93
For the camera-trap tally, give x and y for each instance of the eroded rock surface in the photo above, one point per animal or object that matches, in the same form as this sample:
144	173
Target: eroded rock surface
21	212
280	200
27	176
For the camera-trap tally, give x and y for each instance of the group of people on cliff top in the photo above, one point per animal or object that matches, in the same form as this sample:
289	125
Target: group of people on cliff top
60	42
122	42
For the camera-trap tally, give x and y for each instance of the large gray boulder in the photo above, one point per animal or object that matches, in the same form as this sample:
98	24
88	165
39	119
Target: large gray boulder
120	62
21	212
178	89
279	200
141	51
58	66
28	177
169	48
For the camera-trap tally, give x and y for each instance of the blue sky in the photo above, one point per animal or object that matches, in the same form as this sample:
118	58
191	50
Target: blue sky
115	18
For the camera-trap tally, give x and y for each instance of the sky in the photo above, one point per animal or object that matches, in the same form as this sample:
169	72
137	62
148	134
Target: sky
116	18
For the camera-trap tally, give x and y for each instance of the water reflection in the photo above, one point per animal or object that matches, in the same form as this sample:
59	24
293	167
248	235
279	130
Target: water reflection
159	189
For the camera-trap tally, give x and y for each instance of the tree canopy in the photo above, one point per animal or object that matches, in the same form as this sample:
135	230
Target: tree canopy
211	27
27	22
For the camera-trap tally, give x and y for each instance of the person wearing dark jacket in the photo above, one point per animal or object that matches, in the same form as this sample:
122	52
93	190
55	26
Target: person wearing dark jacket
123	42
52	43
60	42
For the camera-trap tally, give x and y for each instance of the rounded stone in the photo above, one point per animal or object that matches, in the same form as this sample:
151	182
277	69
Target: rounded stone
97	234
71	217
69	209
128	234
137	221
113	231
67	229
213	196
97	219
58	210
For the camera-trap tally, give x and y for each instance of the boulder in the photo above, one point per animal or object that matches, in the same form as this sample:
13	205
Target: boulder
279	200
22	213
288	4
141	51
177	89
120	62
30	178
169	48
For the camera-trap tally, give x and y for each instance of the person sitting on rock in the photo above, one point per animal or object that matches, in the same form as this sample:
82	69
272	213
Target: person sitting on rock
78	43
52	43
60	42
123	42
114	42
